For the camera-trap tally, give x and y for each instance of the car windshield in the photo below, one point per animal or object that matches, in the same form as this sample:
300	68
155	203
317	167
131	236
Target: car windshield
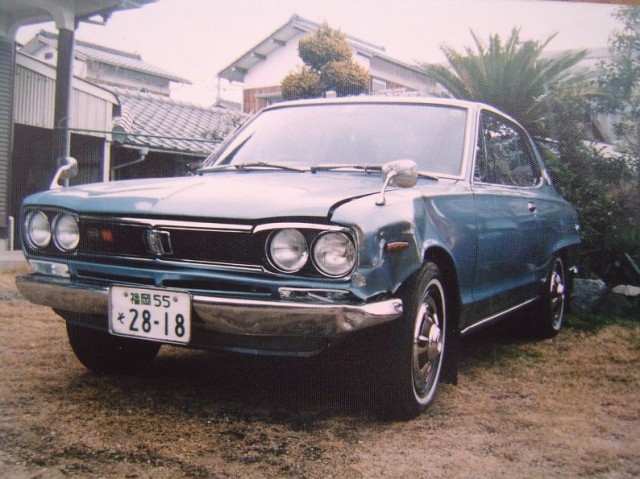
351	134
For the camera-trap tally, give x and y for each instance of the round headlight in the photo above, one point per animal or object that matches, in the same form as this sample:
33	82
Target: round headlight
38	229
66	233
288	250
334	254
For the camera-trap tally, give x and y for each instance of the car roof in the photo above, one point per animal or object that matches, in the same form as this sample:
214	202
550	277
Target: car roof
382	100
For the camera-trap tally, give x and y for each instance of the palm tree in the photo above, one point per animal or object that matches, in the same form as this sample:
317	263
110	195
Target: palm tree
511	76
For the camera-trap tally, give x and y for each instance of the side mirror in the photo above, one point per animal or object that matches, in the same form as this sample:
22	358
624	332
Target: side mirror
68	169
402	173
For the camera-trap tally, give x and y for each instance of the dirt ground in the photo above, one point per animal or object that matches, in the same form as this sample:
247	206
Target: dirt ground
567	407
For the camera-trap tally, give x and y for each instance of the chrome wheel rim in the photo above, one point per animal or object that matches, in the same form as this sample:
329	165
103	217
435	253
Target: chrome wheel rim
428	342
557	295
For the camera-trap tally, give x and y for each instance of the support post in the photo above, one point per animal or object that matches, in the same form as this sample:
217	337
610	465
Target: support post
62	107
7	68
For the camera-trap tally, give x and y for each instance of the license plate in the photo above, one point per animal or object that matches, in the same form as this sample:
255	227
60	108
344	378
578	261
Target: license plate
154	314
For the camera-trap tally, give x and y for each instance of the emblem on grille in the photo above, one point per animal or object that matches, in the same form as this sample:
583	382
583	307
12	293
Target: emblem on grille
158	242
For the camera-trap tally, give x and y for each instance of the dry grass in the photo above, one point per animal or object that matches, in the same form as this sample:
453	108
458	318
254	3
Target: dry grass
566	407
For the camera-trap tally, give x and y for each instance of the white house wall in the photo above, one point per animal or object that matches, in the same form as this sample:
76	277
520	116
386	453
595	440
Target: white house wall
279	64
104	74
283	61
49	55
362	60
392	72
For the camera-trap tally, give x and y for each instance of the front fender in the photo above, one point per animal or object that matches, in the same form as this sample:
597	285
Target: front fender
394	238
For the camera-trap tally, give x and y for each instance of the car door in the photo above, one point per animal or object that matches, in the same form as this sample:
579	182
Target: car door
506	178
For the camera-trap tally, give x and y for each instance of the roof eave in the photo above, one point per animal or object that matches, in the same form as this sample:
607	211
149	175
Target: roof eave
236	71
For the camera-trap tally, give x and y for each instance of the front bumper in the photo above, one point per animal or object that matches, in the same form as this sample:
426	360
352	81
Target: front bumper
223	317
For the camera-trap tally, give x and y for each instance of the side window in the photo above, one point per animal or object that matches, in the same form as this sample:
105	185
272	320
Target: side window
503	155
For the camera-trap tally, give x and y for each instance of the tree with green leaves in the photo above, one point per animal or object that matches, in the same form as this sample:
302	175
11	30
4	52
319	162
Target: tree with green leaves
619	95
328	66
551	98
511	75
620	81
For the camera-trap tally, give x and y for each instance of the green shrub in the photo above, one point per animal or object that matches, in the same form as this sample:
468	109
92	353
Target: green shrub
324	46
302	84
328	66
345	77
604	190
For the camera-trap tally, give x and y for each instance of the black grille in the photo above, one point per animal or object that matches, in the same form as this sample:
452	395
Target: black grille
215	246
186	244
98	237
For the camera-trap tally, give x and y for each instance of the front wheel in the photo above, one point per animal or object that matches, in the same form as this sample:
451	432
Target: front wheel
105	354
418	342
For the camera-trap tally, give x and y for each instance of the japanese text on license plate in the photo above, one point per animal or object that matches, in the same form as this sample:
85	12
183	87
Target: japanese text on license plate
154	314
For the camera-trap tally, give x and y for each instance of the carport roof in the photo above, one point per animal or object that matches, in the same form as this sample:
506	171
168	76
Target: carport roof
18	13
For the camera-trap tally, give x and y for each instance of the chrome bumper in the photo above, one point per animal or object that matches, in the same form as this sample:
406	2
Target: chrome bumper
224	315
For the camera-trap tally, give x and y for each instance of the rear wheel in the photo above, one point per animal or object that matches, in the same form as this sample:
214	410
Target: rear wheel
106	354
548	314
418	342
554	301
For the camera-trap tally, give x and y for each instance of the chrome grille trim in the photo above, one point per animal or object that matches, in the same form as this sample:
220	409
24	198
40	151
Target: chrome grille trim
189	225
149	262
298	225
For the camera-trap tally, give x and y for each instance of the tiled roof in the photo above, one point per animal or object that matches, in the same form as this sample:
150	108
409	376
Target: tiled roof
163	124
111	56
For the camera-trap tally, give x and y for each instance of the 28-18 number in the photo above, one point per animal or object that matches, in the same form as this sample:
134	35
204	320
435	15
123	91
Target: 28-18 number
143	320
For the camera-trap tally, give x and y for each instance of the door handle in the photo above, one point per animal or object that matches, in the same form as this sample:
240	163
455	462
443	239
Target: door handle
532	206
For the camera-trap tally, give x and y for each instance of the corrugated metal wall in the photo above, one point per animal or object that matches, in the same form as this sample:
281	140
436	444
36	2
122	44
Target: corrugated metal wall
90	112
32	160
34	98
34	102
7	54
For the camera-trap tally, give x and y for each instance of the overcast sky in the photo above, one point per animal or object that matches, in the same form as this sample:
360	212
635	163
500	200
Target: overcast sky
197	38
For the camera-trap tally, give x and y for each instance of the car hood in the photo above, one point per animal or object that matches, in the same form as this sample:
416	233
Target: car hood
237	195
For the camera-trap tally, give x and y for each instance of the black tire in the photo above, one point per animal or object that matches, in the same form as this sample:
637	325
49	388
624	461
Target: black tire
554	300
549	314
105	354
418	346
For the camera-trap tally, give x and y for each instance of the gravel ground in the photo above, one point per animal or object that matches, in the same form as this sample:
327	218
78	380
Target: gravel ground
566	407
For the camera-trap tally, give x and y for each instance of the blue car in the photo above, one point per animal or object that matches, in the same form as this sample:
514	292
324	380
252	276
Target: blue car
419	220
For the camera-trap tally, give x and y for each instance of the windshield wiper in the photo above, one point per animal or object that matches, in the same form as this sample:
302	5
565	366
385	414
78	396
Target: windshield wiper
251	165
264	164
365	168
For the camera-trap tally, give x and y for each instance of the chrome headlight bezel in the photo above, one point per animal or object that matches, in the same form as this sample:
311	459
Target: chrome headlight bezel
38	230
288	250
334	254
66	232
